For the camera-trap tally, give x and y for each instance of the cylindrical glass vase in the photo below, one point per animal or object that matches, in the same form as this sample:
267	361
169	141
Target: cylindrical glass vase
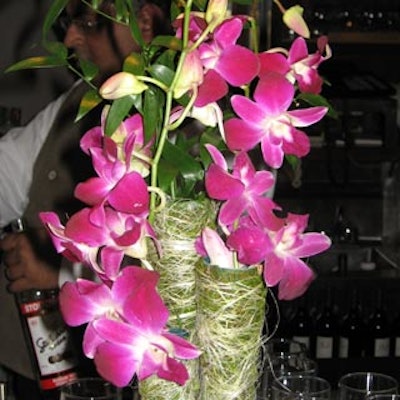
229	326
177	226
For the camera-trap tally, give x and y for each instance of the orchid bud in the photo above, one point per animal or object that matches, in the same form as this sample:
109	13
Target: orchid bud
216	11
191	74
120	85
293	18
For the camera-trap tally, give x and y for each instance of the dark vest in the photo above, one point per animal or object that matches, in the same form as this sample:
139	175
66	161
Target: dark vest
60	165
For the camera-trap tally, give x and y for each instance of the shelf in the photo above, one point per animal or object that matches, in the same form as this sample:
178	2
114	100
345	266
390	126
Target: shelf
370	38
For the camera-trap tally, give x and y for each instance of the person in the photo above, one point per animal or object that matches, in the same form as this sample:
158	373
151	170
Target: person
42	163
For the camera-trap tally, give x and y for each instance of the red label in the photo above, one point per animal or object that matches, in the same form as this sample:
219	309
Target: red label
57	381
31	308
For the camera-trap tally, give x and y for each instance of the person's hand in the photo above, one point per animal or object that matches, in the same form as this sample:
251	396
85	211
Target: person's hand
23	267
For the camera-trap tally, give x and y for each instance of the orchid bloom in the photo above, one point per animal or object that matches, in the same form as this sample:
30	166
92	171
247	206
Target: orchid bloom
222	55
121	84
304	66
126	144
209	115
115	170
283	263
243	190
106	231
299	65
126	326
268	121
210	245
250	241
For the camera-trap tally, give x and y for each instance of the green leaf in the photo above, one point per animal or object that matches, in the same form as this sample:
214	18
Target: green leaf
167	58
37	62
152	111
200	4
134	64
190	170
88	68
243	2
318	100
119	110
134	27
170	42
57	49
162	73
52	14
89	101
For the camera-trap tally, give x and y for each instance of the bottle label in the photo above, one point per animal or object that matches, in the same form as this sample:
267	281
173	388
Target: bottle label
51	344
382	347
397	347
343	347
303	339
324	347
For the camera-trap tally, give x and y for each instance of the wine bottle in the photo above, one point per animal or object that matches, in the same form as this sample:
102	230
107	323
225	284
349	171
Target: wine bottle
378	342
395	337
327	331
301	325
352	330
52	355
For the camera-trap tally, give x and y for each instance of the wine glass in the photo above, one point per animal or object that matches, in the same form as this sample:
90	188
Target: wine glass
284	364
301	387
90	389
358	385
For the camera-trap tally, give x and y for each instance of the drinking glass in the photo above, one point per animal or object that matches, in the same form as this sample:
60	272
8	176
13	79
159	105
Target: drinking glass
357	385
383	397
301	387
284	365
90	389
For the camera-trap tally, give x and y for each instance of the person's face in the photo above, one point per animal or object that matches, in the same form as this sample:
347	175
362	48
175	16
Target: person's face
97	40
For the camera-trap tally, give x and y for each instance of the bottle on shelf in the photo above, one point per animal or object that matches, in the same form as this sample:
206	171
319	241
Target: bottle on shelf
352	331
52	354
327	331
395	337
301	324
378	339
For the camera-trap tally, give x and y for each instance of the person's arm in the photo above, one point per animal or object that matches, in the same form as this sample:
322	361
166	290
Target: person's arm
18	151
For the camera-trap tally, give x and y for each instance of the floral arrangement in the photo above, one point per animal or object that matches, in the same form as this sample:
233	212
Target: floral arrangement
246	101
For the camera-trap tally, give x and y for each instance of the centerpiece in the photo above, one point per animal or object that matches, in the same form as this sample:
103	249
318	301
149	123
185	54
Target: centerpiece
180	226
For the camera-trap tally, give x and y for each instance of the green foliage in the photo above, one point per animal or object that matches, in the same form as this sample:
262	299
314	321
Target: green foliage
90	100
318	100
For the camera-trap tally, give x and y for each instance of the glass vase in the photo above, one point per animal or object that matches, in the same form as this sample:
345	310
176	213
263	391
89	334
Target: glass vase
229	326
177	226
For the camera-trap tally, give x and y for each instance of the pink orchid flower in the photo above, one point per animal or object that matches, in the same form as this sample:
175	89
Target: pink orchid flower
250	241
299	65
106	231
126	326
125	144
304	66
222	55
197	25
244	189
268	121
115	169
283	263
211	246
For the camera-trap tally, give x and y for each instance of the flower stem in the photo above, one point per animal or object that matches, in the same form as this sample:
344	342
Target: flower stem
168	107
